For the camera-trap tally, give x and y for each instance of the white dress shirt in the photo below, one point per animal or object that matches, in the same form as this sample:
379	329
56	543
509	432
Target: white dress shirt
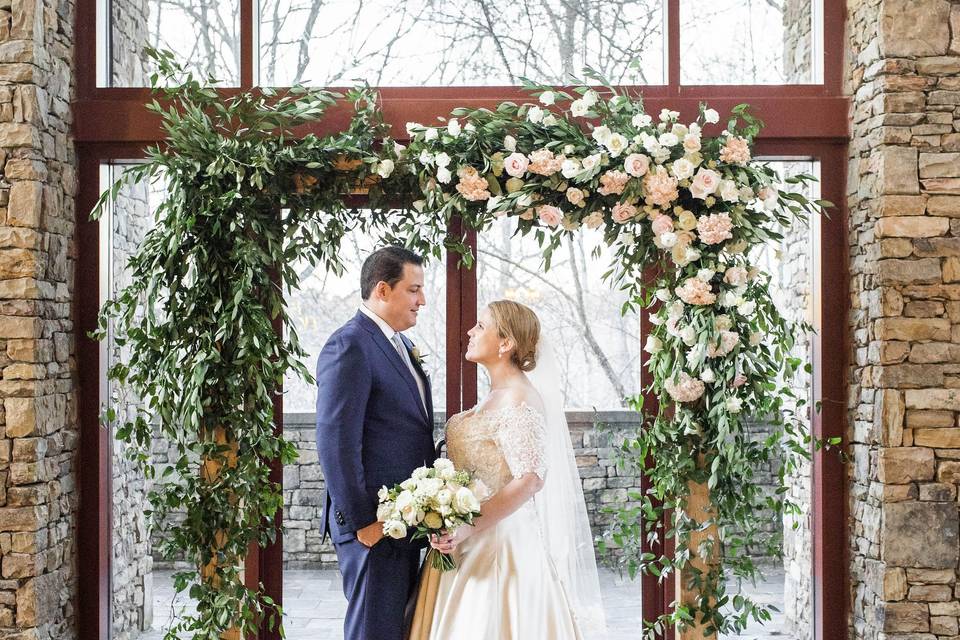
389	333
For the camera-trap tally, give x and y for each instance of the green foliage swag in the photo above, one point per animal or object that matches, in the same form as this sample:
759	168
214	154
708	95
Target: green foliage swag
247	199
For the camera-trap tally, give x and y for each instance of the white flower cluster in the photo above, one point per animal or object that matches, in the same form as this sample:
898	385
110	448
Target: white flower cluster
433	499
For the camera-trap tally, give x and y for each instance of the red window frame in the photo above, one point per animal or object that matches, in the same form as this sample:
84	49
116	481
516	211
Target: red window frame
808	121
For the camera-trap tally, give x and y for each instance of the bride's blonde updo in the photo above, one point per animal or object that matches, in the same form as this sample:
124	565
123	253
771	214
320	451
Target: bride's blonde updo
519	323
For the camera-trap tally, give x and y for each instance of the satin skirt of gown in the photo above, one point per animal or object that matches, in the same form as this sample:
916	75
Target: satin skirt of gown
504	587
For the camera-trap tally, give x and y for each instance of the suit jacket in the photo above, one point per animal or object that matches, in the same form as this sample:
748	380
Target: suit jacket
372	429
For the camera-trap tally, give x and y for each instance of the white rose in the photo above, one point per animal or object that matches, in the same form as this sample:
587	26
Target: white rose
682	169
412	128
746	194
405	500
579	108
653	345
641	120
691	143
662	295
430	134
433	520
384	511
568	149
679	130
442	463
408	485
385	168
616	144
590	98
383	494
426	158
591	161
443	175
705	274
465	502
708	376
661	154
510	143
729	191
601	134
395	529
548	97
444	496
728	299
657	320
692	255
469	127
688	335
747	308
675	308
710	116
734	405
570	167
666	115
535	114
668	239
442	159
668	140
550	120
723	322
453	127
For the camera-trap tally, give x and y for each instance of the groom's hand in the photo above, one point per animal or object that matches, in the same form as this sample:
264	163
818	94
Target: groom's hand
370	534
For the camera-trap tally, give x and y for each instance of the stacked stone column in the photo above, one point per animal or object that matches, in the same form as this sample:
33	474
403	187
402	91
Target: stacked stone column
38	424
904	204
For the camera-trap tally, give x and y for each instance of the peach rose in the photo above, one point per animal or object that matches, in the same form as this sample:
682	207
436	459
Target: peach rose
623	212
704	183
613	183
697	292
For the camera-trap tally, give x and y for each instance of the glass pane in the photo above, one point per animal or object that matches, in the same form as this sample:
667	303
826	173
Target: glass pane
205	36
325	301
748	42
599	356
142	601
459	43
599	349
787	581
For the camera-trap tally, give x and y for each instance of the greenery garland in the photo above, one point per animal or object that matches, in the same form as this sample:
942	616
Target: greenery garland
247	199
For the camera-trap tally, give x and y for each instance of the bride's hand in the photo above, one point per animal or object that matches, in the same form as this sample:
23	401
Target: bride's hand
447	542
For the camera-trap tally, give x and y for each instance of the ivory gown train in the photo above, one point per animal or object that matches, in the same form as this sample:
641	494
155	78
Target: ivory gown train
505	586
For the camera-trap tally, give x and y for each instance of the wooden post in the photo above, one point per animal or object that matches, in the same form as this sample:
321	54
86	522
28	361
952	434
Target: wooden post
210	471
700	509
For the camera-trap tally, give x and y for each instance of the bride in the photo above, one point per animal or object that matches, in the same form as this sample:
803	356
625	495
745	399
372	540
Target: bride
526	568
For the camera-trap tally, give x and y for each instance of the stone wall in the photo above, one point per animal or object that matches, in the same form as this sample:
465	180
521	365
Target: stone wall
904	205
38	421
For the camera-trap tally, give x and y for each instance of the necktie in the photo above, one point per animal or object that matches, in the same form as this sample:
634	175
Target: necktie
405	356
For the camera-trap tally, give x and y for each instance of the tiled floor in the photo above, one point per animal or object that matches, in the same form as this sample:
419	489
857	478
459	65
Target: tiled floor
314	606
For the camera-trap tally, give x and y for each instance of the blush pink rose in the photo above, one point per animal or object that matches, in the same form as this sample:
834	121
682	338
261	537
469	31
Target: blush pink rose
739	380
685	389
623	212
704	183
662	224
636	164
549	215
516	164
736	276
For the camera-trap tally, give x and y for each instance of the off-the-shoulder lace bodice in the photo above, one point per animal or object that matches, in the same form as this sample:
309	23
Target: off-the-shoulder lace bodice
497	445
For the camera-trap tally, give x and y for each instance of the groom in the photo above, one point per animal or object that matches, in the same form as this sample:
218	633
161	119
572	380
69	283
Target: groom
374	427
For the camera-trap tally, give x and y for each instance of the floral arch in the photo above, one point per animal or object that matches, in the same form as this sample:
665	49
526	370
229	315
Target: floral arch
680	204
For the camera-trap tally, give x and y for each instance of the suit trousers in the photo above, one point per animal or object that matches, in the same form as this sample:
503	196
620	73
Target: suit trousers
378	582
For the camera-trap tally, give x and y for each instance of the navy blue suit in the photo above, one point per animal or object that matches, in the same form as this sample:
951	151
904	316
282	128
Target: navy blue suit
372	430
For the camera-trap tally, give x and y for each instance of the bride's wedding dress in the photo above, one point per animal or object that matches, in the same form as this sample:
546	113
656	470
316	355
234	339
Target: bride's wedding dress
533	575
505	586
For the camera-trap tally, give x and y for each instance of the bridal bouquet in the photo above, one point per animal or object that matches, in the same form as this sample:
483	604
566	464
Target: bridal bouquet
433	500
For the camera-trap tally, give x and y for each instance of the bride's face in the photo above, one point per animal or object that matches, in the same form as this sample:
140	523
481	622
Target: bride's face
485	340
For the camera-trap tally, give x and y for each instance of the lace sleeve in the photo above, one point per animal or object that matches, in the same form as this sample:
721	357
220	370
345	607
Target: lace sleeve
521	437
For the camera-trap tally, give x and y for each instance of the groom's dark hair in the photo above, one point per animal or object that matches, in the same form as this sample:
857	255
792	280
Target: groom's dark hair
385	265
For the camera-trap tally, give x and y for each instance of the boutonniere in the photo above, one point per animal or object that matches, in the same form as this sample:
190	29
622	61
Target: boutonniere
419	357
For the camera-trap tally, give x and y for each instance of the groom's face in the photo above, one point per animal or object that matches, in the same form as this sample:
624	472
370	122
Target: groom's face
399	304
